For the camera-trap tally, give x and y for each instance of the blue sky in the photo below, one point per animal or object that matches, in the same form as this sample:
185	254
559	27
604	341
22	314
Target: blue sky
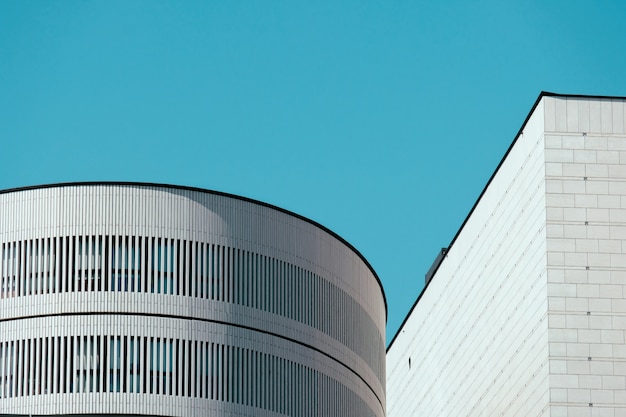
381	120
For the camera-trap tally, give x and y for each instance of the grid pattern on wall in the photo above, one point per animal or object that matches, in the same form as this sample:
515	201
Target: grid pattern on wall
585	145
477	336
530	320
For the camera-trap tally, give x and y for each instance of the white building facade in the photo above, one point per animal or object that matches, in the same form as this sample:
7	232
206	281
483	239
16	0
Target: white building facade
137	299
526	314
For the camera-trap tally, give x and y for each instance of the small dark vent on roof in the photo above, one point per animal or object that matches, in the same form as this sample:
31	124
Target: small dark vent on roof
435	265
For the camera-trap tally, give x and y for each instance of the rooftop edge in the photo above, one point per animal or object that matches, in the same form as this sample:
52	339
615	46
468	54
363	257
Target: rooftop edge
542	94
219	193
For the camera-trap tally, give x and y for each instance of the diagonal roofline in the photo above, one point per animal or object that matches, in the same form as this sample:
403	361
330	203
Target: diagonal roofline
519	132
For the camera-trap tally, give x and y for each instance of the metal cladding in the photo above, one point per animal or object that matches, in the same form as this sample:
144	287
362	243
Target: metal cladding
141	299
526	314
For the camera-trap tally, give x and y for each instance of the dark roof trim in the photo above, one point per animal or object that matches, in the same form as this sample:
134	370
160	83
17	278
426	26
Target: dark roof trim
519	133
203	190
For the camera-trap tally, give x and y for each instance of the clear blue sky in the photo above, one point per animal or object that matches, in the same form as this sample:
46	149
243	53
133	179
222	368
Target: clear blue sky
382	120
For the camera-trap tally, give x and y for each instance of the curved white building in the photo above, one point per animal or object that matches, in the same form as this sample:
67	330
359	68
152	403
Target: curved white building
142	299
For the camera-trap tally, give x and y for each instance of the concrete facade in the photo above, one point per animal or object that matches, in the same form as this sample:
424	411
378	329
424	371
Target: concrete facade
135	299
526	315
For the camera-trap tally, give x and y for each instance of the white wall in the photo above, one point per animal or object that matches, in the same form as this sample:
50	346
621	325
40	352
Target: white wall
477	338
315	334
527	314
586	230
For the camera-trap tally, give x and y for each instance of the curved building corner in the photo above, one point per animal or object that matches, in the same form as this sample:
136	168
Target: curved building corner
144	299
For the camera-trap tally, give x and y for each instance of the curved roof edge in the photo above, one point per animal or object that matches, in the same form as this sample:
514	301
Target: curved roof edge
542	94
220	193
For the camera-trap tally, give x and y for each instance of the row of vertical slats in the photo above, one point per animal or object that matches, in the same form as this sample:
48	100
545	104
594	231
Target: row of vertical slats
272	260
165	366
126	209
197	269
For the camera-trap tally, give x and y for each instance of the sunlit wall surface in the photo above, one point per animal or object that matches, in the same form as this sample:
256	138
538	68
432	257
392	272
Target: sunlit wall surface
157	300
526	315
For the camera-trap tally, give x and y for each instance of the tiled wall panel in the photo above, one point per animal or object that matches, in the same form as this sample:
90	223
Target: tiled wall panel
526	315
476	343
586	202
